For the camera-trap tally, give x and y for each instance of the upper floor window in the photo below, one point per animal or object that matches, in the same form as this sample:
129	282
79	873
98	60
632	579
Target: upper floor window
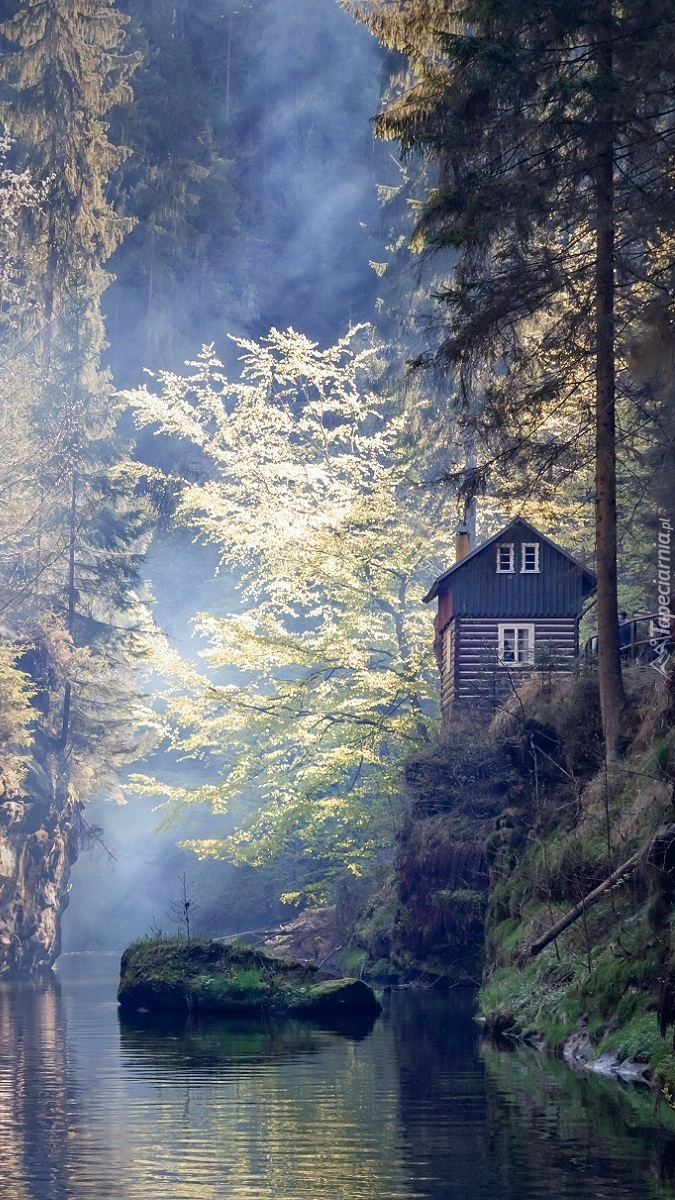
529	563
505	559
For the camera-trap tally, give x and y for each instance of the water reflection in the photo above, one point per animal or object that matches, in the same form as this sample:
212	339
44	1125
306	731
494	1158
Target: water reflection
35	1101
545	1119
441	1095
96	1104
207	1046
293	1109
40	1117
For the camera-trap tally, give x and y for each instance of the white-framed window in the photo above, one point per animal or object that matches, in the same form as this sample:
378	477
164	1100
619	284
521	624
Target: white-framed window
529	560
506	559
516	645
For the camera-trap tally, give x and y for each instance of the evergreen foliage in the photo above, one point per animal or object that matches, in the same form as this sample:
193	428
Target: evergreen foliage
550	129
73	530
180	272
66	70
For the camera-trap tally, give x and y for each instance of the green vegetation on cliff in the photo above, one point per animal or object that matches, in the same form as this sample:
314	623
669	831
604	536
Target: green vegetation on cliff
512	826
428	921
607	979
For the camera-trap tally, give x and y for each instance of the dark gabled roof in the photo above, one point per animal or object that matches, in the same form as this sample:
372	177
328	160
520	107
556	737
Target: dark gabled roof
518	521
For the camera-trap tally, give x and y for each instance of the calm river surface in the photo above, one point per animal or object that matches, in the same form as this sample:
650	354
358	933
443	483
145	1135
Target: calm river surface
93	1106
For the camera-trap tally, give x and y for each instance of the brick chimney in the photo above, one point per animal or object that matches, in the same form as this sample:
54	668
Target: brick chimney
462	541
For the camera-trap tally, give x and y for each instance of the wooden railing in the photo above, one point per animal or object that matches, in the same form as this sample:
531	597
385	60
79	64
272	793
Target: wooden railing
645	636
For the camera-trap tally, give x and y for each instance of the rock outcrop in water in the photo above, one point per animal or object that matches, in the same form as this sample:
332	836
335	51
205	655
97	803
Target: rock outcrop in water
38	846
213	976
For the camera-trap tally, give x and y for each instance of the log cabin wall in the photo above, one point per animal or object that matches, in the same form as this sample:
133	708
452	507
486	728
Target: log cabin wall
445	612
478	677
448	669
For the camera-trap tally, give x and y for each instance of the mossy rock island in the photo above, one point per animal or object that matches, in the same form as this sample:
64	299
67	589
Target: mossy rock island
215	976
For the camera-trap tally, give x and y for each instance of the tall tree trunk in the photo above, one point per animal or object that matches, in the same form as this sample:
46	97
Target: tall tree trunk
612	698
52	261
50	277
71	601
404	651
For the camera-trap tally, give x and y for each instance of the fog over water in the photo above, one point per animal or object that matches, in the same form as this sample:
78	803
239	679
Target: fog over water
307	238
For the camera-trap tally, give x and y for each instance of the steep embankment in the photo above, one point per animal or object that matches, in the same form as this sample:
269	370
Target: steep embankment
427	924
39	829
604	989
512	827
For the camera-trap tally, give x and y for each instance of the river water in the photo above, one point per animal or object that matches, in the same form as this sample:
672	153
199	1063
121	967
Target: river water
419	1107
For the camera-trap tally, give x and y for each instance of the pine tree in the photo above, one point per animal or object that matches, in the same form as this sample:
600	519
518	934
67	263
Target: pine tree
549	127
66	71
180	271
79	549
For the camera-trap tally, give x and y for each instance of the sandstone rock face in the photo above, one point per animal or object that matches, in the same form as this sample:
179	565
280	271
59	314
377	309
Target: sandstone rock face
38	846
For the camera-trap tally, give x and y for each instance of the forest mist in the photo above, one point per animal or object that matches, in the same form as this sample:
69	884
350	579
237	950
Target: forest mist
305	236
220	473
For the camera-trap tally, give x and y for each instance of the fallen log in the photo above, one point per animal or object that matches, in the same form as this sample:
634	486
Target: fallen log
588	901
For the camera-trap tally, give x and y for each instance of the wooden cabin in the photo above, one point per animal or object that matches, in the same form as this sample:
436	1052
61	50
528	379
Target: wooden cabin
511	604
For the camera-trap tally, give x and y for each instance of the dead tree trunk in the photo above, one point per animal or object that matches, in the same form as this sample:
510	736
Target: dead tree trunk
583	906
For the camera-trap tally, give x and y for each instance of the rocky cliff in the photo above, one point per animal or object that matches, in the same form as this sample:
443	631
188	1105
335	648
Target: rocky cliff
588	856
526	864
40	825
427	924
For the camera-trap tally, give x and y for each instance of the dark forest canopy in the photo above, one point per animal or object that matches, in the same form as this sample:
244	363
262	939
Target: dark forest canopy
239	180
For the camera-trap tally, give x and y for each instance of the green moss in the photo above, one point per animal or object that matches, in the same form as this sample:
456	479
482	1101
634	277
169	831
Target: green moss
245	989
550	998
213	976
507	995
624	980
380	971
469	898
507	934
640	1040
555	1033
604	975
379	919
351	960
